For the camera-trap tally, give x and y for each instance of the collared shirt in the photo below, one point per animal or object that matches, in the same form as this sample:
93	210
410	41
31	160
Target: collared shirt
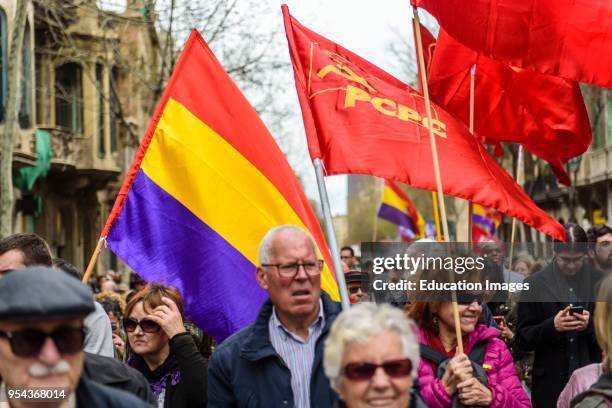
297	354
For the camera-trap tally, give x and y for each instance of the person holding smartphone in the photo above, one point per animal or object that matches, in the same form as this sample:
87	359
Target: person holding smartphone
554	318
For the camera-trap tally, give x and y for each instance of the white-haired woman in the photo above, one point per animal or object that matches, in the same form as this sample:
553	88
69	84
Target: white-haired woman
370	357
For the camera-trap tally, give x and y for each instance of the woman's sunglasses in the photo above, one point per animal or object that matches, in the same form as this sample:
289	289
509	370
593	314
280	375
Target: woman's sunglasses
365	371
469	298
29	342
147	326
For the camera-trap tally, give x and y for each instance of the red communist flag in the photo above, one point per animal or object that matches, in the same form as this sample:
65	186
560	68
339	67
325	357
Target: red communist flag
544	113
361	120
567	38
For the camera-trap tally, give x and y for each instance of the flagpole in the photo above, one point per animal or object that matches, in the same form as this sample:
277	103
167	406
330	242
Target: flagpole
436	216
375	229
470	206
331	235
93	260
434	153
519	181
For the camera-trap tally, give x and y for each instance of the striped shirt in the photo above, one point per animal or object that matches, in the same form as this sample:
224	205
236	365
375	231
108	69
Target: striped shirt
297	354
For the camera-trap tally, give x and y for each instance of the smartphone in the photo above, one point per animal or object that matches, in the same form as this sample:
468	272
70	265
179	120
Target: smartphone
576	309
500	320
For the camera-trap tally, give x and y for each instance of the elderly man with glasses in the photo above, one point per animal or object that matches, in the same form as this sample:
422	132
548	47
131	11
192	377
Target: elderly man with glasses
277	361
41	343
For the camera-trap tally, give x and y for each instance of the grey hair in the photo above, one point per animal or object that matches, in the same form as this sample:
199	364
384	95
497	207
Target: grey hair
361	323
265	247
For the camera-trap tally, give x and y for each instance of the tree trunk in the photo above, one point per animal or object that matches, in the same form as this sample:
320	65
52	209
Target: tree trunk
6	154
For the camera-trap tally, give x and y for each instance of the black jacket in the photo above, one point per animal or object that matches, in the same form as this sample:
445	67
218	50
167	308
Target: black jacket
190	390
115	374
246	371
555	353
91	394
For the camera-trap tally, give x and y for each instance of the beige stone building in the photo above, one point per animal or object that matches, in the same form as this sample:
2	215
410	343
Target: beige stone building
92	84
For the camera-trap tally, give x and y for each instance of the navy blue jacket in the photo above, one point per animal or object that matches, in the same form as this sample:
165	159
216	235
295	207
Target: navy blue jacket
246	371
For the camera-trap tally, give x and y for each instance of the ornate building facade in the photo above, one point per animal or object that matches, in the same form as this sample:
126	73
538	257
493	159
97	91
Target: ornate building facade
90	80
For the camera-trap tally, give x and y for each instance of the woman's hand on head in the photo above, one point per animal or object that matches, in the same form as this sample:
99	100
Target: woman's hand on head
168	317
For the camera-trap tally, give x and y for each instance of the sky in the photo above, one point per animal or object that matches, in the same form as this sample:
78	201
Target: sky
365	27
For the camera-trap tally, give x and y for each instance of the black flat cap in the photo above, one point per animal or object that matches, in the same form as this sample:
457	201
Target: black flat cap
357	276
39	292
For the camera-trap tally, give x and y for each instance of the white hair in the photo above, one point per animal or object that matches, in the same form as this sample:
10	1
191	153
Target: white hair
265	247
360	324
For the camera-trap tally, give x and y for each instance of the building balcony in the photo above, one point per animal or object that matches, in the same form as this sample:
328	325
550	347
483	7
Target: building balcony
71	153
596	166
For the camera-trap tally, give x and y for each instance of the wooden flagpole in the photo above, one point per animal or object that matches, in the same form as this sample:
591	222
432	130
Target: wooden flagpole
93	260
470	206
434	153
519	181
436	216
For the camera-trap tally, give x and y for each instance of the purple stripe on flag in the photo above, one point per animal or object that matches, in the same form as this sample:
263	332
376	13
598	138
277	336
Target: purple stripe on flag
164	242
395	216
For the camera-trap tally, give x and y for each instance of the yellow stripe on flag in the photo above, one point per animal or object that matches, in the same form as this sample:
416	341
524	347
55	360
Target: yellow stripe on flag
392	199
200	169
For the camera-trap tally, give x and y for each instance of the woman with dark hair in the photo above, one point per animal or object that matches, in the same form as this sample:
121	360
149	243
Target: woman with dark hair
163	350
483	376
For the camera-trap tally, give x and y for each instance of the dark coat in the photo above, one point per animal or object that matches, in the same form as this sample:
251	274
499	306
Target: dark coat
190	390
91	394
536	332
246	371
115	374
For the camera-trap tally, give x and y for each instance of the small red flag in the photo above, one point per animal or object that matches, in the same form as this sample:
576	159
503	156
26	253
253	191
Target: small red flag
361	120
567	38
544	113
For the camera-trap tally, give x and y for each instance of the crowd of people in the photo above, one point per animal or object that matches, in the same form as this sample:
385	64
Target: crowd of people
120	344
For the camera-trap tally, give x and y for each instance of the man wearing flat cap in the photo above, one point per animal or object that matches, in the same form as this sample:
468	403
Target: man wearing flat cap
41	343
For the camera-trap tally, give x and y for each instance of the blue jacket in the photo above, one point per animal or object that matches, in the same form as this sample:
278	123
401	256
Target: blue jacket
246	371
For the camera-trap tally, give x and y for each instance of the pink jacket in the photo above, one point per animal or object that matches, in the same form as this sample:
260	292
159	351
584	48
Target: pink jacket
580	381
502	380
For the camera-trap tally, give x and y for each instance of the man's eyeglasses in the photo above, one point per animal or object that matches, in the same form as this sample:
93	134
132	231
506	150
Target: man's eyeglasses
291	269
365	371
147	326
29	342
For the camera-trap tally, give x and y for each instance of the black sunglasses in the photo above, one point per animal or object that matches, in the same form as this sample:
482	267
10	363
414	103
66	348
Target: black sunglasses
29	342
469	298
147	326
365	371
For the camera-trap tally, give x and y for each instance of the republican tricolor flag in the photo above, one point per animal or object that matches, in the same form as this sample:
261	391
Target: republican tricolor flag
397	208
485	223
207	183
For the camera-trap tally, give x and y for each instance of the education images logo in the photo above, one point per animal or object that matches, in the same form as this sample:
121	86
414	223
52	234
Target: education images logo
404	263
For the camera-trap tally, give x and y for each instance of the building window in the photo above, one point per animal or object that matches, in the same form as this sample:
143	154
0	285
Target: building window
69	97
101	122
3	63
114	109
25	107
